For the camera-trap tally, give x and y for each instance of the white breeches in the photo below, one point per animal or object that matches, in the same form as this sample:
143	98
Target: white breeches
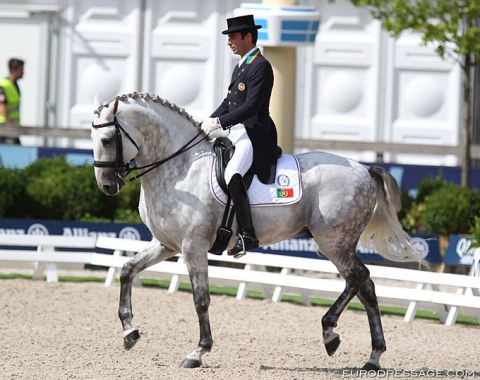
242	158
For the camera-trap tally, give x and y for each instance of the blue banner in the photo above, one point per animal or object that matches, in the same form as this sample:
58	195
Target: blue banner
458	251
299	247
306	247
77	229
409	176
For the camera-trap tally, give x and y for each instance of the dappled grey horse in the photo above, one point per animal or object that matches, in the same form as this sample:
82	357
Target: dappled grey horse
342	202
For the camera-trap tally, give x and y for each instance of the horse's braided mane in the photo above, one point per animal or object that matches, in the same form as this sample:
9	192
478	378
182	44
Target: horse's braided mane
163	102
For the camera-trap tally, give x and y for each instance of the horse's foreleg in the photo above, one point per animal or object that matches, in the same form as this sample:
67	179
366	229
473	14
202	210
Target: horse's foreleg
366	294
198	272
355	275
150	256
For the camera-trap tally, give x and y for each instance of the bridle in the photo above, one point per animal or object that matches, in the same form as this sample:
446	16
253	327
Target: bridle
122	169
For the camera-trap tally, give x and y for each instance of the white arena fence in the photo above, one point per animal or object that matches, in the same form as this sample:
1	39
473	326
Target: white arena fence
274	275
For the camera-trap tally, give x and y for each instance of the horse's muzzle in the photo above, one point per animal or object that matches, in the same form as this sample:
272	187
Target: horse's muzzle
111	187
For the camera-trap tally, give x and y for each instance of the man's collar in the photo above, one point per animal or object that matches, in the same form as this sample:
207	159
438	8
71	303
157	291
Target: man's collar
246	56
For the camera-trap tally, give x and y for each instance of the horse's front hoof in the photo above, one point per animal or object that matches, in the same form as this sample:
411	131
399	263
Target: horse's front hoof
190	363
130	338
332	346
371	367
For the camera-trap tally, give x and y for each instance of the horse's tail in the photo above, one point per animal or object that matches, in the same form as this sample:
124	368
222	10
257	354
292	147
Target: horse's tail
384	232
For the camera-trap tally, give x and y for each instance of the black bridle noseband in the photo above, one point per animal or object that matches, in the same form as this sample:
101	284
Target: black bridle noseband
123	169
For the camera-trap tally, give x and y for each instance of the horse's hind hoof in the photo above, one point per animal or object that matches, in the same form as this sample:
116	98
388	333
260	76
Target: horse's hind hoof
190	363
371	367
130	338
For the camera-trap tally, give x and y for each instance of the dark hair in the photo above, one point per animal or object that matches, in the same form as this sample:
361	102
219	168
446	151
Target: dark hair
15	63
253	32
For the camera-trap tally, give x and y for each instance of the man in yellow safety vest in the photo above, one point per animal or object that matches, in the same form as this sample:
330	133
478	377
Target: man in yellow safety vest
10	98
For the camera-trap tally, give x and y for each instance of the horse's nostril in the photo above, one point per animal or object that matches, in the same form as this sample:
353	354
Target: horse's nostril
109	187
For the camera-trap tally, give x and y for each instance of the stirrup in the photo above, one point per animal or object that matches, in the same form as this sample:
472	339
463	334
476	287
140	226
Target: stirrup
243	252
243	242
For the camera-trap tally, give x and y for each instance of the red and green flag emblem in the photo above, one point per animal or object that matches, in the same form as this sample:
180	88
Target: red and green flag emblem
285	193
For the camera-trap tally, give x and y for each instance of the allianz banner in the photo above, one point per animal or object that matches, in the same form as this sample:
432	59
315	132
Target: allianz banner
77	229
299	247
306	247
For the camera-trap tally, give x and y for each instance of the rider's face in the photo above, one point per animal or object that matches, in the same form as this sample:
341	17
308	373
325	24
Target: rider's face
239	45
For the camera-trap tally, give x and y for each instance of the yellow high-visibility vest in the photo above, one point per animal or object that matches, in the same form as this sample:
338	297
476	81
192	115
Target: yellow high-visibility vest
13	101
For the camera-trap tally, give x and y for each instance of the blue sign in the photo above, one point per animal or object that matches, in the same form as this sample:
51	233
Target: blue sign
299	247
77	229
306	247
284	26
458	251
409	176
18	157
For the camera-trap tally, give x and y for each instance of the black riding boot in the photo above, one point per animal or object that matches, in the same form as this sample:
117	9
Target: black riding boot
246	237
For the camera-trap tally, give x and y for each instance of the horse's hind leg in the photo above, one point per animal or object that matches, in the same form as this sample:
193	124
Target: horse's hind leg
150	256
366	294
355	274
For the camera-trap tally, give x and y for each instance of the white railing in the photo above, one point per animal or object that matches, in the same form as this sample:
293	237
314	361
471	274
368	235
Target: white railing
273	274
46	257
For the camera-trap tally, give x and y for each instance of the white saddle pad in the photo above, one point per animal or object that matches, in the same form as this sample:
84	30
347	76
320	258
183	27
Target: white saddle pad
286	190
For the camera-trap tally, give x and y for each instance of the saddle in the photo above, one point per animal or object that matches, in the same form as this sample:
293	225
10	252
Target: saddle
224	149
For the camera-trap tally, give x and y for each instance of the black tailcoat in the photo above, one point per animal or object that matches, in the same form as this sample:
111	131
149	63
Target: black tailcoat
247	102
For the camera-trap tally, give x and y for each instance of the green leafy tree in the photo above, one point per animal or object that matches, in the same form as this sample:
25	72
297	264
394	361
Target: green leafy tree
127	209
14	199
453	26
428	185
413	211
476	233
451	210
51	188
442	207
44	186
58	190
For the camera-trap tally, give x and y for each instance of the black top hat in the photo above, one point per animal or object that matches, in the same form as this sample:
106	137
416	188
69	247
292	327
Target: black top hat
237	24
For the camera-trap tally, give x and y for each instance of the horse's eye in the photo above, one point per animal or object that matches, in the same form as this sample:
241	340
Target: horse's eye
106	141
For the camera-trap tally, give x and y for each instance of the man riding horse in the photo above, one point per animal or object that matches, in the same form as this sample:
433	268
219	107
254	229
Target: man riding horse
245	113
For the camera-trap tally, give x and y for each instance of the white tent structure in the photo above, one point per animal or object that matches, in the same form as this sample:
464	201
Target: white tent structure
354	84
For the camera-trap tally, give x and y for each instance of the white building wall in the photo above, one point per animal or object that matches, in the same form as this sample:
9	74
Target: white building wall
185	54
355	83
102	53
423	99
362	85
343	99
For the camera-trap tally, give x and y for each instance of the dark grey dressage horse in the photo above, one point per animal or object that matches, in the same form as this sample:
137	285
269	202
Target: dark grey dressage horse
342	202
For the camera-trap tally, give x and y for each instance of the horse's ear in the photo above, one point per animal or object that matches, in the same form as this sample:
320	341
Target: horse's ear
115	105
96	101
